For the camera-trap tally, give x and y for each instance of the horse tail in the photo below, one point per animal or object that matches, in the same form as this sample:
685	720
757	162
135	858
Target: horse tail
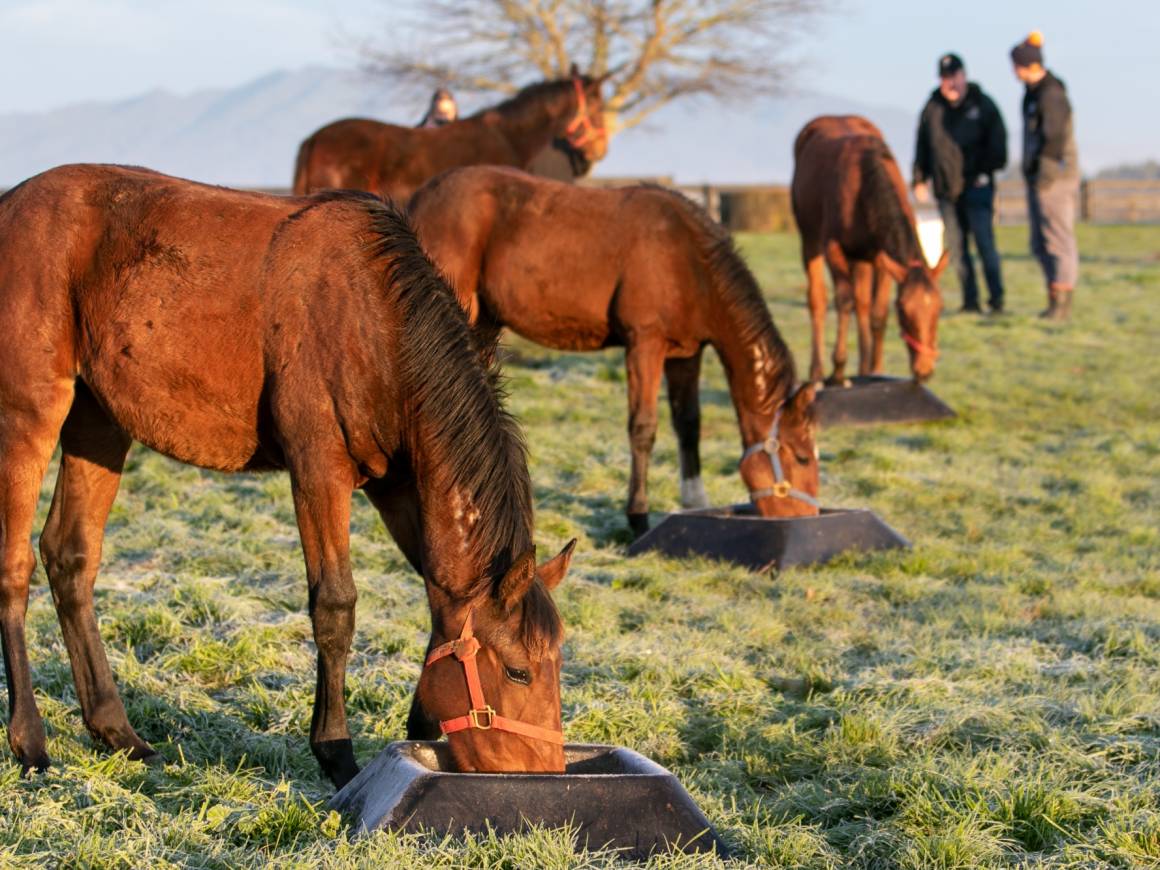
302	167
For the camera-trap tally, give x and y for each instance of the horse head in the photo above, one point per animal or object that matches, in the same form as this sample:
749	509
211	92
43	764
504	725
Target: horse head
919	304
782	471
584	128
492	678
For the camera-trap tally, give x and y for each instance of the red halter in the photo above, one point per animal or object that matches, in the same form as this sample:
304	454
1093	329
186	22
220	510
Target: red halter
481	715
918	346
581	130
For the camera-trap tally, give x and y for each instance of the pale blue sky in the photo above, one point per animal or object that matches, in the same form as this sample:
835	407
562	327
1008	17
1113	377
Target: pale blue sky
876	51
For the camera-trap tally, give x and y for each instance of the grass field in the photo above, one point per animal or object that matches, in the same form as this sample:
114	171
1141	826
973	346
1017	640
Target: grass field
991	698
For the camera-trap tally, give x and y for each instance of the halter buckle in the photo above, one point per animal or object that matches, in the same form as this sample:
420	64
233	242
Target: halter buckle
781	489
475	715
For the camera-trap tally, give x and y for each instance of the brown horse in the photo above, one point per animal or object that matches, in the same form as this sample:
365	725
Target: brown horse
241	332
852	211
643	268
394	161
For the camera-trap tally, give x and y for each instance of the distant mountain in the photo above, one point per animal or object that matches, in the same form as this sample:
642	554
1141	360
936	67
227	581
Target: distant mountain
248	135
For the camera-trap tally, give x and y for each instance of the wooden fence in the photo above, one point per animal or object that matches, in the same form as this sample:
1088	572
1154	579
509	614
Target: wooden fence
766	207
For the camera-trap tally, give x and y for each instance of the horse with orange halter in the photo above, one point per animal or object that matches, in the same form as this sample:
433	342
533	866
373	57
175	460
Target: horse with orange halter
854	216
394	161
242	332
641	268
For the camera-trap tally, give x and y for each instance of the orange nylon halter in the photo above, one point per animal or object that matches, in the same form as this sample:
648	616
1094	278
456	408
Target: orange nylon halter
581	130
481	715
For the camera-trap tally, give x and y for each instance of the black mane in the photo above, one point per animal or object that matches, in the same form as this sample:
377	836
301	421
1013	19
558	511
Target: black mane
882	208
462	403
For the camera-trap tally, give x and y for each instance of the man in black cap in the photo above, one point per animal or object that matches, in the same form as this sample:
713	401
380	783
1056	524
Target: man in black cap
961	144
1051	170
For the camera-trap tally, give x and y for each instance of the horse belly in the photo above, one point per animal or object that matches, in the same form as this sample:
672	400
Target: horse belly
185	380
552	302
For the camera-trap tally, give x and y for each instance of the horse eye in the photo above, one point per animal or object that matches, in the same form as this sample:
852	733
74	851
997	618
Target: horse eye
518	675
802	460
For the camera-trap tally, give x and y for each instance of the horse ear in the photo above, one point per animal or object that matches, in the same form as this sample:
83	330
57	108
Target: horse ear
518	580
804	397
553	571
941	265
890	266
575	71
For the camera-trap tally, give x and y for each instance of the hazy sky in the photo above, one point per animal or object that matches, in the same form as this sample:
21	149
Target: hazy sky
876	51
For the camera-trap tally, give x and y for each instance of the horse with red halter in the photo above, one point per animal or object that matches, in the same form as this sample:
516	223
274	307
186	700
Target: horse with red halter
394	161
241	332
854	216
641	268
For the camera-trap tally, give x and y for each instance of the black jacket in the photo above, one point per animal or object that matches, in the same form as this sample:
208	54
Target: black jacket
1049	149
957	144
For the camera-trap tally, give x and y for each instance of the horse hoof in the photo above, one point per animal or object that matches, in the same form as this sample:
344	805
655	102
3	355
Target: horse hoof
638	523
31	767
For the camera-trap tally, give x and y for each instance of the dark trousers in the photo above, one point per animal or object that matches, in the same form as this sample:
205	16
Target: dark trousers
973	214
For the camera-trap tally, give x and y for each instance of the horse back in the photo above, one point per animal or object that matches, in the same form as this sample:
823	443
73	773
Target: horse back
176	303
394	161
828	194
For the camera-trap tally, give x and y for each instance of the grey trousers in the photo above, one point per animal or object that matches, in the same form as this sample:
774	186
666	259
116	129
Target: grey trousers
1051	210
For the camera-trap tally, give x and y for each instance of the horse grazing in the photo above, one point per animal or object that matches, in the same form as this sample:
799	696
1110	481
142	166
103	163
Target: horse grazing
852	211
242	332
642	268
393	161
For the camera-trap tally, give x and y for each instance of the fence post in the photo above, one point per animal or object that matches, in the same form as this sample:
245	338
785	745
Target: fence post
1085	205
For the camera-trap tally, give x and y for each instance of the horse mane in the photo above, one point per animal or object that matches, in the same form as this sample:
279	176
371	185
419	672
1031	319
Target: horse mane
882	207
463	403
735	285
529	96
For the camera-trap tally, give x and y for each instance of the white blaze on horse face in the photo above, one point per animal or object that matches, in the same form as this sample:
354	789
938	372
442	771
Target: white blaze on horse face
693	493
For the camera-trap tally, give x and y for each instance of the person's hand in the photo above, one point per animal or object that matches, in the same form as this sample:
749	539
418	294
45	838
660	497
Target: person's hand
922	191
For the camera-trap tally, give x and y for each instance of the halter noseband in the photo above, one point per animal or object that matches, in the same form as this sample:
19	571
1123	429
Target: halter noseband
781	487
481	715
581	130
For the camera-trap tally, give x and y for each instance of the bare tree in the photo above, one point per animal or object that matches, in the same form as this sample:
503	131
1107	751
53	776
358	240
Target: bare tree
656	50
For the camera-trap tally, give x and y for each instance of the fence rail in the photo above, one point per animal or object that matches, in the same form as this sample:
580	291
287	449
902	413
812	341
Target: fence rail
766	207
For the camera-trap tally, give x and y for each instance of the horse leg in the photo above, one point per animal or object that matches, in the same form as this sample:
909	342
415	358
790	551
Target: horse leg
863	288
645	362
28	433
322	506
399	508
816	298
93	451
844	302
880	313
683	378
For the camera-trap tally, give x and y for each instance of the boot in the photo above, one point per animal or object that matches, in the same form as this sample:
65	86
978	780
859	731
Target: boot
1062	306
1048	313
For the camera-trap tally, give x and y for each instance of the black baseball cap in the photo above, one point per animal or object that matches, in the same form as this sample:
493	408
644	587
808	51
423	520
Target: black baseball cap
949	64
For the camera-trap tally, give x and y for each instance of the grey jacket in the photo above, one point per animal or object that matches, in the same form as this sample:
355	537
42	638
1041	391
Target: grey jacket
1049	149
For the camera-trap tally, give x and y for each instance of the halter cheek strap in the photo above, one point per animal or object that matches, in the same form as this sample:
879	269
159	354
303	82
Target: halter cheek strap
581	130
781	487
482	716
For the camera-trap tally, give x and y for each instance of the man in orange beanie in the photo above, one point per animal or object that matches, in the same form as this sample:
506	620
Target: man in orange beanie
1051	171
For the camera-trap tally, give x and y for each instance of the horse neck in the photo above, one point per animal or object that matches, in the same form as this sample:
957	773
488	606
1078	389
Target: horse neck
888	206
458	550
759	368
530	124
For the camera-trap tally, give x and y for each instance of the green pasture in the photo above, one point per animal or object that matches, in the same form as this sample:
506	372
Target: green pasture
991	698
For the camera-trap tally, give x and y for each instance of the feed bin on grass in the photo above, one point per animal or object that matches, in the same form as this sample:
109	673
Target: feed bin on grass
737	534
879	399
610	796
